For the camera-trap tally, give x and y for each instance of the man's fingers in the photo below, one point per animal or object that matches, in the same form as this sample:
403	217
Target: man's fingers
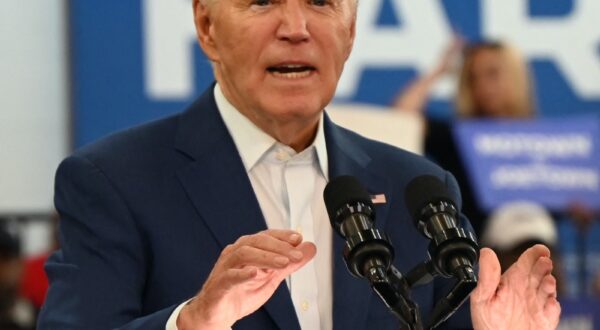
552	311
546	290
548	285
541	268
290	236
541	286
528	259
281	242
309	250
489	276
250	256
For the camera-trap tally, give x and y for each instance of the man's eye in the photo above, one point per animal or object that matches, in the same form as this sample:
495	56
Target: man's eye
261	2
319	2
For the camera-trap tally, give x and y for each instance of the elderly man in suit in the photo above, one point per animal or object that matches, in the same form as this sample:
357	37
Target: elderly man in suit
213	218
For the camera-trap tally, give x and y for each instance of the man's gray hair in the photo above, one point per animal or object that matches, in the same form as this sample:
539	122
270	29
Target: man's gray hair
210	2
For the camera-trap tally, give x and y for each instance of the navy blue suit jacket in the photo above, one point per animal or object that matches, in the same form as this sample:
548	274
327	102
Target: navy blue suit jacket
146	212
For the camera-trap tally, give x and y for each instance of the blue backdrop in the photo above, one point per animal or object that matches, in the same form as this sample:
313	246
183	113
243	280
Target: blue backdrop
110	70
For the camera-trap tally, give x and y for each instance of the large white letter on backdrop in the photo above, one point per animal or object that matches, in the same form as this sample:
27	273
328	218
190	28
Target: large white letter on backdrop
169	40
418	43
572	41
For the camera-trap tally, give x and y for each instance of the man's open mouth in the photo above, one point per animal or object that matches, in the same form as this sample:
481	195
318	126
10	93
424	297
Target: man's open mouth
291	71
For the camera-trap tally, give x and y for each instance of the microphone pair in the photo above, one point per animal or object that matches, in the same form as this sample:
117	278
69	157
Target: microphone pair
368	253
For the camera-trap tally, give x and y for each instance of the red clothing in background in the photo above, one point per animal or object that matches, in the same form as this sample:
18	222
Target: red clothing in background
35	283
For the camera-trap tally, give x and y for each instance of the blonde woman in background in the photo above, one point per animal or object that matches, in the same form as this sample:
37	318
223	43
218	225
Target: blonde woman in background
494	82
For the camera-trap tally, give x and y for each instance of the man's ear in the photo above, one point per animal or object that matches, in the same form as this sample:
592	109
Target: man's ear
204	29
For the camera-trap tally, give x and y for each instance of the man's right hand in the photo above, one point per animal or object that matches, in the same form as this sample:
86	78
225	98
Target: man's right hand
244	277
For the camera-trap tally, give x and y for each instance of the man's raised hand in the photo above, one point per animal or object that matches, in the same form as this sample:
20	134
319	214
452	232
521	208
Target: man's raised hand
524	297
244	277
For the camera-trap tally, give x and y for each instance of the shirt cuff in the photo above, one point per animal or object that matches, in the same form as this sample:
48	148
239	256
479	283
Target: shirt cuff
172	321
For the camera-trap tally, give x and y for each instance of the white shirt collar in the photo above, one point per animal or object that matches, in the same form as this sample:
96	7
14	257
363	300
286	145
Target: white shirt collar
252	142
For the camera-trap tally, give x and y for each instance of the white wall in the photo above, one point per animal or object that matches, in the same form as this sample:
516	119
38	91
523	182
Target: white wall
33	102
398	128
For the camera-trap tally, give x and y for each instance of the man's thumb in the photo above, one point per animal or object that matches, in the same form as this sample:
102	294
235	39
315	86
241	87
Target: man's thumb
489	276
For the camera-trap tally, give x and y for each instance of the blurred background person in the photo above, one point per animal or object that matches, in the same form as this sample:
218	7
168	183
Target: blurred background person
15	312
514	227
34	283
494	82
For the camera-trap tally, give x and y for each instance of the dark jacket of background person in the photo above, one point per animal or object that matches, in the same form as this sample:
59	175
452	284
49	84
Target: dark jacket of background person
440	147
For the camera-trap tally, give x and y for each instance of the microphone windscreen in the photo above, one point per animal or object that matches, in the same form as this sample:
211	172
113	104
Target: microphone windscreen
343	190
423	190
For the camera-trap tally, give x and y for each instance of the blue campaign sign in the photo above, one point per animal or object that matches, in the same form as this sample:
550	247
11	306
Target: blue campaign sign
555	162
133	61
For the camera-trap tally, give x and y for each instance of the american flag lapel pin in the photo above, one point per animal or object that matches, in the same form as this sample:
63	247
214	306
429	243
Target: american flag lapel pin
378	199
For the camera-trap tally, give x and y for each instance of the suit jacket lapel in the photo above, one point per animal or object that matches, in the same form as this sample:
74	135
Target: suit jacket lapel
351	295
218	186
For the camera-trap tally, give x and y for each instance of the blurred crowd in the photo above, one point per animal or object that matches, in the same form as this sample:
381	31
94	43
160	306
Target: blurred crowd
494	82
23	281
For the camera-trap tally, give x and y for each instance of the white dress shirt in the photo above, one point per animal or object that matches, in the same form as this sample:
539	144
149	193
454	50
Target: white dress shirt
289	188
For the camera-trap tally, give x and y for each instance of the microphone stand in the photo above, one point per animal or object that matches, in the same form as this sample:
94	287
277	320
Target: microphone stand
368	254
394	289
465	284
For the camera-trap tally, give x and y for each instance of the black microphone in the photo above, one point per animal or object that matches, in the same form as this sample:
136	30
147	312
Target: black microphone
352	216
368	253
453	249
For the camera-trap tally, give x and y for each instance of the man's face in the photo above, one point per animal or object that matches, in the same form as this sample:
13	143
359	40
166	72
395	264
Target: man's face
277	60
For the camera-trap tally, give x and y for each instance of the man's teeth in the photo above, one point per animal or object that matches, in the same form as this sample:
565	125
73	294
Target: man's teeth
292	75
291	71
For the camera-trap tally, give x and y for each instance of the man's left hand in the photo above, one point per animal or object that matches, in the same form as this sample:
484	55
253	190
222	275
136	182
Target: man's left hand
524	297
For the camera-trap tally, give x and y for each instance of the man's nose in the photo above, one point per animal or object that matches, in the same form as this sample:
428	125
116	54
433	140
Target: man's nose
294	23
